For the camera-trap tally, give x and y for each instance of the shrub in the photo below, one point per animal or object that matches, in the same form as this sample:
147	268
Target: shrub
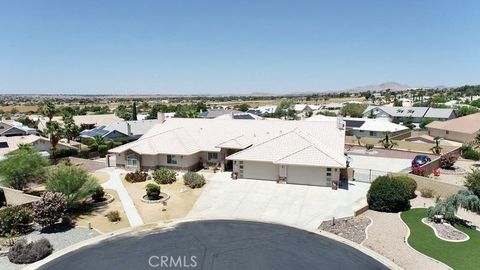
85	152
153	191
117	144
418	170
3	199
427	193
102	150
49	209
15	220
472	181
73	182
164	176
113	216
409	182
65	152
98	194
23	252
471	154
21	167
387	194
135	177
369	146
193	180
448	160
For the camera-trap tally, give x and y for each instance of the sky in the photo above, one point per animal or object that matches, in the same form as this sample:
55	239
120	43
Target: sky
234	47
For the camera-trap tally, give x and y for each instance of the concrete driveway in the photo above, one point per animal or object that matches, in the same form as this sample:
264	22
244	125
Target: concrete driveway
302	206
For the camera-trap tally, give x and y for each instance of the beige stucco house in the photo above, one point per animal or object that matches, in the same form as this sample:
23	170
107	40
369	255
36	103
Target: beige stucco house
293	151
462	129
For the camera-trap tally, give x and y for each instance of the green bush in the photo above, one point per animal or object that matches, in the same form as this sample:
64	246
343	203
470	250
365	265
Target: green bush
471	154
193	180
3	199
387	194
102	150
65	152
84	152
427	193
113	216
369	146
164	176
23	252
98	194
153	191
135	177
117	144
409	182
472	181
15	220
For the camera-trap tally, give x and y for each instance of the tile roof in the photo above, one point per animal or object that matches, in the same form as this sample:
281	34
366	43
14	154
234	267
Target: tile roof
469	124
137	128
184	136
368	124
412	111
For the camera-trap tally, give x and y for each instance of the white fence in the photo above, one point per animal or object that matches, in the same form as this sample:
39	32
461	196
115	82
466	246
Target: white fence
367	175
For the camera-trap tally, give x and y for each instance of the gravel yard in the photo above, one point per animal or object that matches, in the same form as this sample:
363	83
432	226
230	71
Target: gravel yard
351	228
59	240
446	231
386	236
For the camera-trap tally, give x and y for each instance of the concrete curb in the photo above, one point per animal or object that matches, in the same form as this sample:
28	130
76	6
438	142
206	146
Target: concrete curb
408	244
172	223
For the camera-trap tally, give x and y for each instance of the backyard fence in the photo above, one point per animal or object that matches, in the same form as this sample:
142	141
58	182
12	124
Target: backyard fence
367	175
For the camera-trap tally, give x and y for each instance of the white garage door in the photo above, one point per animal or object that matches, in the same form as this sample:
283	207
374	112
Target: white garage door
306	175
260	170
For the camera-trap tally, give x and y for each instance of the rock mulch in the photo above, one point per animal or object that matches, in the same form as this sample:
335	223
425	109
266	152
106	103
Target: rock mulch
446	231
59	240
351	228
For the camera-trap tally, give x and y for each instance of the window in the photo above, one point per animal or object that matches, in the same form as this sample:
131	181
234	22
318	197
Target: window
373	133
212	156
171	159
132	161
2	127
446	131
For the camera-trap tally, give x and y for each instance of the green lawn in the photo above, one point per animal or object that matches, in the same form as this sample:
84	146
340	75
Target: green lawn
463	255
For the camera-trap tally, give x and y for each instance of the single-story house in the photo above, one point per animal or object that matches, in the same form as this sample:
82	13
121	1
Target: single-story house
263	110
13	128
127	130
463	129
298	152
214	113
366	127
303	108
400	114
86	121
42	144
333	106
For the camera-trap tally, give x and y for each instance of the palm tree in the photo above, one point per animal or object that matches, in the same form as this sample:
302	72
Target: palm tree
71	129
437	149
48	109
54	132
98	140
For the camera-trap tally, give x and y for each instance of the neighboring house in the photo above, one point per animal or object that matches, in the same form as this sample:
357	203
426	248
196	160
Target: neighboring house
241	115
214	113
14	128
86	121
42	144
127	130
302	108
366	127
462	129
332	106
262	110
400	114
298	152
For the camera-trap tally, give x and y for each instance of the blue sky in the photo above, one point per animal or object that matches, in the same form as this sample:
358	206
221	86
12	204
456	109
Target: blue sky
184	47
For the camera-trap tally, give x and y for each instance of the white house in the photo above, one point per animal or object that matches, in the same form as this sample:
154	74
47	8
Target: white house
298	152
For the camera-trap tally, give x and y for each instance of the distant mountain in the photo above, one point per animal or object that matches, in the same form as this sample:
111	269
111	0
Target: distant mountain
394	86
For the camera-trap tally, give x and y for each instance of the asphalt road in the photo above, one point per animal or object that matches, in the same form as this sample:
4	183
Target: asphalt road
217	244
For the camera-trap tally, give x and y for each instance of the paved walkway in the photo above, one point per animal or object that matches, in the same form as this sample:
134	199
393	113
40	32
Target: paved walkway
298	205
386	235
116	184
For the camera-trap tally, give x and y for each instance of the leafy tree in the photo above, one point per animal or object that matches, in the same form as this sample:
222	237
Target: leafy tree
21	167
134	111
73	182
122	112
242	107
475	103
397	103
466	110
353	110
49	209
425	122
409	122
448	207
472	181
71	130
285	110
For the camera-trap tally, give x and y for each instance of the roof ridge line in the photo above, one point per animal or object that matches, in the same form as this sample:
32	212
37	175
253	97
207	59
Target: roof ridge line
314	144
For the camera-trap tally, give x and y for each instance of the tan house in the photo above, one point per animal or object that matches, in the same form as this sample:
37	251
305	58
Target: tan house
462	129
41	144
298	152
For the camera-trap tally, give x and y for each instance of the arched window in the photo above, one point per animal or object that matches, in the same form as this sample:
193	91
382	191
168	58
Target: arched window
132	161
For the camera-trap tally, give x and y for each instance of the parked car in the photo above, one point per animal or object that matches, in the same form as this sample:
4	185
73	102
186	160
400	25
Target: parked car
420	160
